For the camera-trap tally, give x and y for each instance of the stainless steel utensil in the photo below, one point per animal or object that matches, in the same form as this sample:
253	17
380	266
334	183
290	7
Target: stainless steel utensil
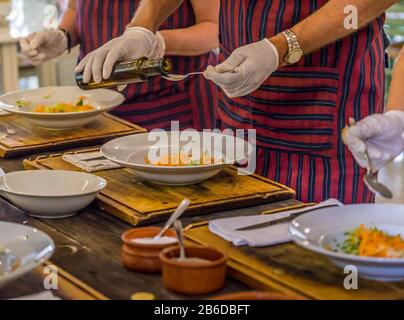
174	217
373	184
180	237
180	77
370	178
283	220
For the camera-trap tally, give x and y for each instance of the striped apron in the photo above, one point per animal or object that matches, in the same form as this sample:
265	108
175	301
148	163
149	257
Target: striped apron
300	111
153	104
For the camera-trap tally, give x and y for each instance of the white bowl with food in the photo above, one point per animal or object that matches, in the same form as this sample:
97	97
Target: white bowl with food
368	237
22	249
177	162
50	194
60	108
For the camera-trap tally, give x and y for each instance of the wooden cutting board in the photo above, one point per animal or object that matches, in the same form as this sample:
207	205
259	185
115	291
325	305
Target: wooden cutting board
18	137
139	202
291	269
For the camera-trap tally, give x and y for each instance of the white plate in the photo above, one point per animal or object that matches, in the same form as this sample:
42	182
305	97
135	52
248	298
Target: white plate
132	152
51	194
326	227
103	100
31	246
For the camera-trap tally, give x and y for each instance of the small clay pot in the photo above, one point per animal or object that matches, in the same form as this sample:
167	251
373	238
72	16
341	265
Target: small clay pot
143	257
194	277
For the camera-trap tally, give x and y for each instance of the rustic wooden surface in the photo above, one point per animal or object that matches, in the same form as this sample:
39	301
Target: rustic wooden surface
25	139
292	269
140	202
89	245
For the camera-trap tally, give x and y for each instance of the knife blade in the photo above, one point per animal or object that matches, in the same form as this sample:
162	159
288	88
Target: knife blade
283	220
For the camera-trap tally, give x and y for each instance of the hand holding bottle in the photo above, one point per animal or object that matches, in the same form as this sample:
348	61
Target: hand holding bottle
135	43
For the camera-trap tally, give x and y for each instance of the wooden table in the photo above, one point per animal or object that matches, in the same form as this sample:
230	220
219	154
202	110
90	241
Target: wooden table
88	250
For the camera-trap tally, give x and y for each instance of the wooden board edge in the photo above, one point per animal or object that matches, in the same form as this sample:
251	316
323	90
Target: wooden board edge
60	145
69	287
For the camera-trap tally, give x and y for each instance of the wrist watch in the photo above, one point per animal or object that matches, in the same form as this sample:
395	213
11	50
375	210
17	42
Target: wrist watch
295	52
69	39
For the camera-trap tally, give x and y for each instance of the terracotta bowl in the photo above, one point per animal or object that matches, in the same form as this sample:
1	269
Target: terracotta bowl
143	257
194	277
256	295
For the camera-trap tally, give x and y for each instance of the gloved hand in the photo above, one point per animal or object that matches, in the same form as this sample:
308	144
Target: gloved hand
381	135
135	43
45	45
246	69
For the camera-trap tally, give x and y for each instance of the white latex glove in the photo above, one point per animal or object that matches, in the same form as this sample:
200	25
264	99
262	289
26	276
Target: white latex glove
381	135
135	43
246	69
45	45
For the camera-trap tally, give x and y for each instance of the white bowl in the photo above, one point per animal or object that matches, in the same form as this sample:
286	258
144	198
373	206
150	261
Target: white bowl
321	230
31	246
51	194
132	152
103	100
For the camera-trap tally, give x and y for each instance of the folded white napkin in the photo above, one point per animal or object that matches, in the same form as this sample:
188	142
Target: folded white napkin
45	296
90	162
265	237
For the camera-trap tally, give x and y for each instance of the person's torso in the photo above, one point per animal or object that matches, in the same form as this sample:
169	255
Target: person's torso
303	107
99	21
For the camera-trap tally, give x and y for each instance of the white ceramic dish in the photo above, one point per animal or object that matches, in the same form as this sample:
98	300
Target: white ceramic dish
103	100
31	246
132	152
51	194
326	227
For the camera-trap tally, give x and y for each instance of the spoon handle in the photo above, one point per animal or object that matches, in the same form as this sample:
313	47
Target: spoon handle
180	236
175	216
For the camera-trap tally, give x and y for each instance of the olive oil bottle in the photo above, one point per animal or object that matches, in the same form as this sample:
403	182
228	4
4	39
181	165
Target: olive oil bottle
127	72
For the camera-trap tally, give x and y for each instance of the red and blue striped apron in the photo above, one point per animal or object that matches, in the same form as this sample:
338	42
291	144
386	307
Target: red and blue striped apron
300	111
156	103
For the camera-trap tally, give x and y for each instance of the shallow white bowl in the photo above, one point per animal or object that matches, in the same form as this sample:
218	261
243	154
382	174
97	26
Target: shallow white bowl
51	194
103	100
132	152
326	227
31	246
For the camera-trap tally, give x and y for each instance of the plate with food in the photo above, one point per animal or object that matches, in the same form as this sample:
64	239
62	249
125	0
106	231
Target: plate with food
177	161
22	249
369	237
60	108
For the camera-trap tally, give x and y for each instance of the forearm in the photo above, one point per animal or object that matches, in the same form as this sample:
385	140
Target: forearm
68	22
192	41
326	25
152	13
396	98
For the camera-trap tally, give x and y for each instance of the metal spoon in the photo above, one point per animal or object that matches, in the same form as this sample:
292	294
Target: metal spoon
174	217
180	77
180	237
370	178
373	184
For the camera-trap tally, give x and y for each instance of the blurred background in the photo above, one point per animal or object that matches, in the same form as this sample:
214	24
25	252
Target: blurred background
18	18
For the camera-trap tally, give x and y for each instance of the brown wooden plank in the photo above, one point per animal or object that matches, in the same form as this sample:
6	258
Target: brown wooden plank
27	140
140	202
290	268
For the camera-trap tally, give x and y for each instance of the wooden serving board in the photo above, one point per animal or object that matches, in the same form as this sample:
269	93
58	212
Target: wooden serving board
139	202
293	270
18	137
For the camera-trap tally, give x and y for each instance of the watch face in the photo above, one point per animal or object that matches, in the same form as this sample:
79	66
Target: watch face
294	56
